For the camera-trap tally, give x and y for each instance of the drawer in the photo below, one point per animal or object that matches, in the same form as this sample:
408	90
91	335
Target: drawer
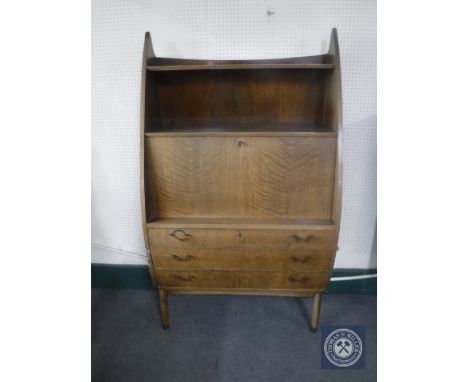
241	279
268	259
241	238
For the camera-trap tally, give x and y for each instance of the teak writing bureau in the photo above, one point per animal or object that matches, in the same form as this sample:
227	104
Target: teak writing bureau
241	174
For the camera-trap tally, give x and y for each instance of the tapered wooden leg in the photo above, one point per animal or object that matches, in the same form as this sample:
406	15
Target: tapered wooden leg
315	312
164	303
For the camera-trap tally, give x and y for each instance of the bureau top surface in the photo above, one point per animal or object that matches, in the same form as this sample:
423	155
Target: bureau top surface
236	223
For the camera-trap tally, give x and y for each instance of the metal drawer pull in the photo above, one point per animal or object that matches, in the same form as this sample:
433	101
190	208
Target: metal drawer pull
182	278
180	234
304	260
182	258
304	240
298	281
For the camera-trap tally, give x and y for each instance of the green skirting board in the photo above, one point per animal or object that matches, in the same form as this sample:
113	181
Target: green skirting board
137	277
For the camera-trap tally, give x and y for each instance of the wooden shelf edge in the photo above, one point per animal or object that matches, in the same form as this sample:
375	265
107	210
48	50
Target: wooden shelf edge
240	134
170	68
232	129
293	224
320	62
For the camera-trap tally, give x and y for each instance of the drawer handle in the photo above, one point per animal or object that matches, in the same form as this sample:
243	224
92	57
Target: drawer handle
180	234
182	258
301	239
304	260
182	278
298	280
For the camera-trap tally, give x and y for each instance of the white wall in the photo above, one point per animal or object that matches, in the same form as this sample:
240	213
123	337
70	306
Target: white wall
224	29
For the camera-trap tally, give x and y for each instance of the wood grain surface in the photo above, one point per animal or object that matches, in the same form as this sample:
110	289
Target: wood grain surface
267	259
241	174
240	177
242	279
241	238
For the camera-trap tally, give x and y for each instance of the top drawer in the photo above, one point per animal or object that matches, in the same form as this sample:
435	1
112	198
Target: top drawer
222	238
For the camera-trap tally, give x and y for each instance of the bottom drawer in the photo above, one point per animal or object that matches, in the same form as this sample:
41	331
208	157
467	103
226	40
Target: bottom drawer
241	279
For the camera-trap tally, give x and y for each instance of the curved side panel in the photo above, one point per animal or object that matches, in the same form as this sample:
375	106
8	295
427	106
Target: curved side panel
147	53
333	112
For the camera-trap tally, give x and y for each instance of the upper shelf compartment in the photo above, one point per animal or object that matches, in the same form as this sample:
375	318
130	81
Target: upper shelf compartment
157	64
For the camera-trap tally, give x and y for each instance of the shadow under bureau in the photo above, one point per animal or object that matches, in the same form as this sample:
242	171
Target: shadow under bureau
241	174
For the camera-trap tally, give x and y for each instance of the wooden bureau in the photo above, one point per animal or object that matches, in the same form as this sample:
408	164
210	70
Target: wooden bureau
241	174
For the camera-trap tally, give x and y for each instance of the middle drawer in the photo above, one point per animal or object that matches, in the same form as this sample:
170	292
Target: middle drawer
241	258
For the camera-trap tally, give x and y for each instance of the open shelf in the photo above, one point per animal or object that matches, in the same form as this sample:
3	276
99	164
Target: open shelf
226	102
171	64
208	128
234	223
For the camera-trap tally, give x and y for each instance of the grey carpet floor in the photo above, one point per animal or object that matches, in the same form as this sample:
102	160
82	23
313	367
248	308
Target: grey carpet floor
221	338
